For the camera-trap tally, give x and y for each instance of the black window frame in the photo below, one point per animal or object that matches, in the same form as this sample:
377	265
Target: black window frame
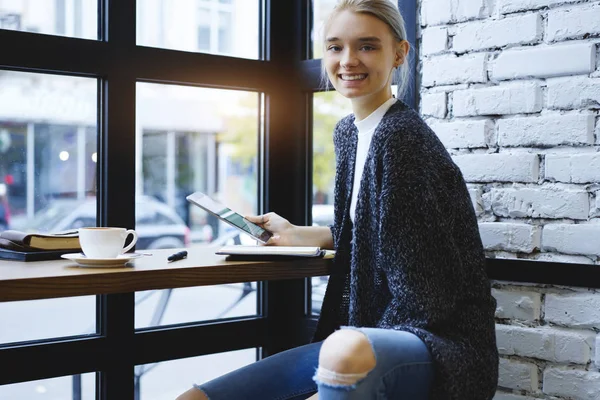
119	63
288	78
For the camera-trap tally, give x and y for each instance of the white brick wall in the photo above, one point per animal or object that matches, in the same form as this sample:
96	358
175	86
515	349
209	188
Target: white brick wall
523	29
517	304
563	258
471	9
597	353
545	62
572	239
547	130
509	237
434	40
513	98
573	168
509	6
545	202
573	93
595	212
573	22
446	70
512	89
573	384
465	134
475	194
436	12
434	104
551	344
517	375
499	167
574	310
509	396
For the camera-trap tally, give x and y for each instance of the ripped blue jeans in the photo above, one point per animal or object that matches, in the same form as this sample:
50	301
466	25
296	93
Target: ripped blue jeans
403	371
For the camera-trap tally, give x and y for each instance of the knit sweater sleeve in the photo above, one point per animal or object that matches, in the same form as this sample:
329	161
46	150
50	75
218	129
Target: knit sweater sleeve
416	248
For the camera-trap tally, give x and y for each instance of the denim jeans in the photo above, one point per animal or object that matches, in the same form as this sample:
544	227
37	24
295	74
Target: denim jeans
403	371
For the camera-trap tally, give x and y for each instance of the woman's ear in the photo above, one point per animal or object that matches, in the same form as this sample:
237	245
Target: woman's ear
402	49
399	59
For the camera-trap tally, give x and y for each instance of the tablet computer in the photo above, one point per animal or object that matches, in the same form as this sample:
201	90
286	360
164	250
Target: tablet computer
229	216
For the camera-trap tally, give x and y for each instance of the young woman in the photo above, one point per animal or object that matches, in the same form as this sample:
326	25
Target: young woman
415	309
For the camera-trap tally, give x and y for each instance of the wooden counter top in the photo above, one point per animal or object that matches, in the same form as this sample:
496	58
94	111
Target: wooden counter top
64	278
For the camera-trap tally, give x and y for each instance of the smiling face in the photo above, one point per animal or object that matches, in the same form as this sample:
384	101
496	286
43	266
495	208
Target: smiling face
360	56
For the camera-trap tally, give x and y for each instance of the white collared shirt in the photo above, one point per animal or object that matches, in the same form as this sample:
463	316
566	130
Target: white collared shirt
366	129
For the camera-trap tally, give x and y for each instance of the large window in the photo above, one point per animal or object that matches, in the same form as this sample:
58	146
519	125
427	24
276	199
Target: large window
48	136
321	9
166	98
82	130
164	381
207	26
75	18
194	139
82	387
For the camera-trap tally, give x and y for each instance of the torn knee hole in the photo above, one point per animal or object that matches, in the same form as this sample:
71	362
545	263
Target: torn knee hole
327	376
345	358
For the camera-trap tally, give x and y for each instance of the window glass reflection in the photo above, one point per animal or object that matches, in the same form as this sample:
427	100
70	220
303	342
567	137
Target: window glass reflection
328	108
74	18
76	387
194	139
320	9
167	380
224	27
48	136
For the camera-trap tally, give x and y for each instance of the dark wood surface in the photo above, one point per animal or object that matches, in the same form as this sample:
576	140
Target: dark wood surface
64	278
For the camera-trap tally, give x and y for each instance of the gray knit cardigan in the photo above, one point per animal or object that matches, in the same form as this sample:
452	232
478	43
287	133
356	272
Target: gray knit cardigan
413	259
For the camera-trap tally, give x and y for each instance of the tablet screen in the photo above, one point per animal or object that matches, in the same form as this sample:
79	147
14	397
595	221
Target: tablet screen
228	215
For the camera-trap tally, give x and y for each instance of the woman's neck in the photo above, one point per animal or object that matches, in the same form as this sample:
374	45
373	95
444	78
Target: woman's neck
363	107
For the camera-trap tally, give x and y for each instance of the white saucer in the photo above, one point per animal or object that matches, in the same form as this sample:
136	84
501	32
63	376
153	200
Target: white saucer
82	260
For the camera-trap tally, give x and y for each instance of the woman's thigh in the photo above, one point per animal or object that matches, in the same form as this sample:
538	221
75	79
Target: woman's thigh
403	369
282	376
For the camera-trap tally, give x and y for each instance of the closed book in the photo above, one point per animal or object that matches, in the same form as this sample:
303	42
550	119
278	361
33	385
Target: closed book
35	255
239	252
41	241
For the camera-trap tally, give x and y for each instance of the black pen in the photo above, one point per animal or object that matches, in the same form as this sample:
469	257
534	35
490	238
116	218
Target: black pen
177	256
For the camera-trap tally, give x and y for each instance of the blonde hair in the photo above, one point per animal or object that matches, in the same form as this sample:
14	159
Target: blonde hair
387	12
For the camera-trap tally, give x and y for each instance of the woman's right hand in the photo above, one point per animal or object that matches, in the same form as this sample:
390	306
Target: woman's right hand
283	231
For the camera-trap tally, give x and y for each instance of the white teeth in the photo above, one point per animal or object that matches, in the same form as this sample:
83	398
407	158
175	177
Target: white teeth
353	77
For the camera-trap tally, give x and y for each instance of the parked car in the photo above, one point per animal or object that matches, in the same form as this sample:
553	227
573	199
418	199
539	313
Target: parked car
4	216
4	210
322	214
157	225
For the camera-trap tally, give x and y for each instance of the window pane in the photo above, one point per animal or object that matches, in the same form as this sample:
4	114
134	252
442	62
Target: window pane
321	10
194	139
328	109
48	138
42	319
77	387
74	18
208	26
167	380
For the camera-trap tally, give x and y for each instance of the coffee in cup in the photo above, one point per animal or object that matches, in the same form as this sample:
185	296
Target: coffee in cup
105	242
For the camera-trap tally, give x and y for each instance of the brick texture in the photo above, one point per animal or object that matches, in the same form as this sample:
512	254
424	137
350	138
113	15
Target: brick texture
512	89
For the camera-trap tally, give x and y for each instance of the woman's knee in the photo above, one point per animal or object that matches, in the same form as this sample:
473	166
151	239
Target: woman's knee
192	394
346	356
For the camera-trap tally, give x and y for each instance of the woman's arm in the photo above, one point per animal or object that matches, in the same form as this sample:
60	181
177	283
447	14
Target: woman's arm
287	234
314	236
417	244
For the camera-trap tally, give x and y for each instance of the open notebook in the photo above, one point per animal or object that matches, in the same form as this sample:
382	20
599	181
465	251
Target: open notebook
274	252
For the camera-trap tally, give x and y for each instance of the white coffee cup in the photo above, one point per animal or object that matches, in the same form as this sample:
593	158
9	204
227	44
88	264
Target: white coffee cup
105	242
